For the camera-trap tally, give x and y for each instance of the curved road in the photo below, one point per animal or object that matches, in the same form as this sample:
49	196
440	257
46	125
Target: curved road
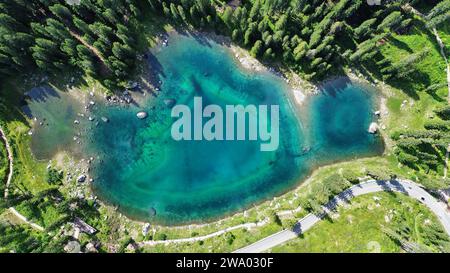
409	188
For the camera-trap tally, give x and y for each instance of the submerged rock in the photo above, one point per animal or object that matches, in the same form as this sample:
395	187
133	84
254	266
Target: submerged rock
170	102
142	115
373	128
152	211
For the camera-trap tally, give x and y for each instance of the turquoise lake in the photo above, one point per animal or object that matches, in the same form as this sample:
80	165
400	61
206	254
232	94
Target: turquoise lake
150	176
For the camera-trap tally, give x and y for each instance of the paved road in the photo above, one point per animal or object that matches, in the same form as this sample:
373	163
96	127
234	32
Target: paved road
404	186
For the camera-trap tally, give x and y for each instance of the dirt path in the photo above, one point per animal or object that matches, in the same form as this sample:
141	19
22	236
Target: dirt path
91	48
442	50
408	7
104	68
8	182
25	220
10	161
204	237
442	47
446	161
448	82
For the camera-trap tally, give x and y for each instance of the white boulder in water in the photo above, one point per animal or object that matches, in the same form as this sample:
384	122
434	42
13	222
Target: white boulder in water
141	115
373	128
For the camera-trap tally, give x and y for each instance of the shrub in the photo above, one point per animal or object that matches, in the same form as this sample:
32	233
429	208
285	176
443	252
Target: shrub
289	223
350	176
275	218
379	174
335	183
229	237
160	237
54	176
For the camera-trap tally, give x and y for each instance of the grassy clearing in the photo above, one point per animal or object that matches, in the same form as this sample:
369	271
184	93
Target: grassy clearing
224	243
431	70
44	215
358	226
29	174
408	103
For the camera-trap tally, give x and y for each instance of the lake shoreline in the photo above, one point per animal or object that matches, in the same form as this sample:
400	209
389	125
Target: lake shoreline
299	87
252	206
253	66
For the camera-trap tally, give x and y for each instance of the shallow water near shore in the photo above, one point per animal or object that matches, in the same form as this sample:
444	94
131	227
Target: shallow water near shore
150	176
53	130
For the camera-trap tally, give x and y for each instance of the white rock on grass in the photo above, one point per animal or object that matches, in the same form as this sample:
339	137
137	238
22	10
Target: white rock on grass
81	178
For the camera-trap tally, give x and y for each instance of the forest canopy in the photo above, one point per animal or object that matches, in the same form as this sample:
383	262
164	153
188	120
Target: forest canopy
102	37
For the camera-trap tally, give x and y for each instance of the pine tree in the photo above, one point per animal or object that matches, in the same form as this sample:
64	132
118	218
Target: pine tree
228	17
257	49
365	28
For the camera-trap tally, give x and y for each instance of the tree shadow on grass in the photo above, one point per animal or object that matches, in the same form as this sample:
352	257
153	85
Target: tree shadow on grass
421	28
392	187
406	84
327	217
400	44
410	83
